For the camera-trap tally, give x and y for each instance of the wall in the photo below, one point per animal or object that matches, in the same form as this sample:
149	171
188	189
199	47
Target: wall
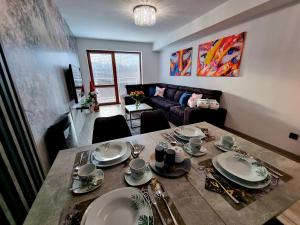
38	47
264	101
150	59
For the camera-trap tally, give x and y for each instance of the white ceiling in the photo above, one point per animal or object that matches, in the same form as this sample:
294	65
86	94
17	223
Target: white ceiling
113	19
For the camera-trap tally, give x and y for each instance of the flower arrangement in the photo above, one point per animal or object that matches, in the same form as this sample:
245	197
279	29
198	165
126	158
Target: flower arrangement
137	96
91	100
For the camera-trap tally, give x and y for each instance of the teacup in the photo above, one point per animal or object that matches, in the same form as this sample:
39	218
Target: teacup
195	144
227	141
87	172
137	168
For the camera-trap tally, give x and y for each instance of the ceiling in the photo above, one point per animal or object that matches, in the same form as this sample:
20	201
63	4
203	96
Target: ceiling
113	19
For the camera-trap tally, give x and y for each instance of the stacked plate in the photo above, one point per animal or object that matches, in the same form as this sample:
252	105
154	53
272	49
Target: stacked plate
185	133
242	170
110	154
126	206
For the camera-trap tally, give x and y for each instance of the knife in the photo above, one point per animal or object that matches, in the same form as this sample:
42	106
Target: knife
153	200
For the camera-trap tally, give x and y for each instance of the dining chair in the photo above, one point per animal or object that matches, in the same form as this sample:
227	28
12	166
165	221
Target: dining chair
153	121
109	128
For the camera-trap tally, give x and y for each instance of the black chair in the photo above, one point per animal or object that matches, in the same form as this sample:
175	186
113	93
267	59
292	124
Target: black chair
109	128
153	121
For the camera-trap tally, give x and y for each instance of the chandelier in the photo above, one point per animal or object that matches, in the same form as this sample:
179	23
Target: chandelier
144	15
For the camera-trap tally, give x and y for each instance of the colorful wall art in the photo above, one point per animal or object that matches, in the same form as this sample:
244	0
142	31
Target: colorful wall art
221	57
181	62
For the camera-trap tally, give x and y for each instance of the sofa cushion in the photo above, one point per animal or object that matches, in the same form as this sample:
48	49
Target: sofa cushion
177	110
152	90
163	103
192	102
159	91
169	93
177	95
210	94
184	98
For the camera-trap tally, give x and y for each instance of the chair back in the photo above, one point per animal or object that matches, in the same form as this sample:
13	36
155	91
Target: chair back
153	121
109	128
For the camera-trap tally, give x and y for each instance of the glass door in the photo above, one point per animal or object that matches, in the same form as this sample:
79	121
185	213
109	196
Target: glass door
128	65
103	72
111	71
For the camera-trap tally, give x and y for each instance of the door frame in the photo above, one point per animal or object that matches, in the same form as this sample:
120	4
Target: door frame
115	75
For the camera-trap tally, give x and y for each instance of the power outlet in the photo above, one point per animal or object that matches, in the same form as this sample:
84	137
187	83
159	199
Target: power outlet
293	136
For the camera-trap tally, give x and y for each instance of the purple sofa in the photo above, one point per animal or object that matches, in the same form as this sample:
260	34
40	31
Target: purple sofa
176	114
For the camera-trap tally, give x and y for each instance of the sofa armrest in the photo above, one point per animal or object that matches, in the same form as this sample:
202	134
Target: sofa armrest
196	115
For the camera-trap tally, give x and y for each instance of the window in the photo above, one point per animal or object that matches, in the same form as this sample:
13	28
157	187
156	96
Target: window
111	71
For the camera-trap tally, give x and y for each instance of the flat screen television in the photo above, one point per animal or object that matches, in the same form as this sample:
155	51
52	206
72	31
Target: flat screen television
74	82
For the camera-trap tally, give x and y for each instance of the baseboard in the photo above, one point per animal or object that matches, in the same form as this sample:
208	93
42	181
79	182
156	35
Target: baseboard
273	148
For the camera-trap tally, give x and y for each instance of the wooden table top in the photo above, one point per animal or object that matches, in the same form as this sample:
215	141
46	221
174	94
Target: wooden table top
197	206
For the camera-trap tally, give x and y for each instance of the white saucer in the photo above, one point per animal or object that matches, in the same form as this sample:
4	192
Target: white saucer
187	148
133	182
78	188
221	147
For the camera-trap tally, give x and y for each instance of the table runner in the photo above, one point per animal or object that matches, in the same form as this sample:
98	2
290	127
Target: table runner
72	215
244	195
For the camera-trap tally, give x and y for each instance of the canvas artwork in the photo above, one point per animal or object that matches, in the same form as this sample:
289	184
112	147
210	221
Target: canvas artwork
181	62
221	57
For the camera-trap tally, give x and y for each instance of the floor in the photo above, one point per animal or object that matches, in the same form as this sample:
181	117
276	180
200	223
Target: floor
289	217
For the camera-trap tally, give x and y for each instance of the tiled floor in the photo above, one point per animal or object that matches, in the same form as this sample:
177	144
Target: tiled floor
86	133
289	217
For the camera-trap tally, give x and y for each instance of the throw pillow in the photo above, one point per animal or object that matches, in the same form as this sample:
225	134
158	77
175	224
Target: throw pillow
159	92
152	90
178	95
192	102
184	98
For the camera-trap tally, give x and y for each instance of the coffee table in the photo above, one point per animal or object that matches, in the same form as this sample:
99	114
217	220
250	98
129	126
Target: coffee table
130	109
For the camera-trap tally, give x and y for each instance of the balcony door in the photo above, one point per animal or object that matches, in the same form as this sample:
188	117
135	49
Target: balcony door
111	71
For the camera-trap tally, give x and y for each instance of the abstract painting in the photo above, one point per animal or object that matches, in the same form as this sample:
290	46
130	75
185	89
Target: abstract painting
181	62
221	57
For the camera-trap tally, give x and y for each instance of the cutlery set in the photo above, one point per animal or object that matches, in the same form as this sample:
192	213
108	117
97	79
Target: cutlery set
160	193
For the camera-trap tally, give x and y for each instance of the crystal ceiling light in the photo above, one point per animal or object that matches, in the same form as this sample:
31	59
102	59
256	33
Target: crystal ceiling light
144	15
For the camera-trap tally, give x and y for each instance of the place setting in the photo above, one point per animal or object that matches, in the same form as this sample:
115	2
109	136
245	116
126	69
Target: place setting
87	175
239	177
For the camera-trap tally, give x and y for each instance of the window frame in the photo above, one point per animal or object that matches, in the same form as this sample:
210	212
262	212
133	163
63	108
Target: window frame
114	67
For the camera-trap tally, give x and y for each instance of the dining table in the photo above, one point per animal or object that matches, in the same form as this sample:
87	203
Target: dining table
195	204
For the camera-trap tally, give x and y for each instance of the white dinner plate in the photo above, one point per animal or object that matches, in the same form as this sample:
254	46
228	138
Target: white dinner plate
250	185
189	132
111	163
110	151
126	206
242	167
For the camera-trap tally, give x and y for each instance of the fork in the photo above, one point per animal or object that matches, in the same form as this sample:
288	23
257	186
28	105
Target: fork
209	175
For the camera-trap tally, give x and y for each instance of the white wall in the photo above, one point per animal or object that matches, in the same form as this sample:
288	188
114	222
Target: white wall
264	101
150	59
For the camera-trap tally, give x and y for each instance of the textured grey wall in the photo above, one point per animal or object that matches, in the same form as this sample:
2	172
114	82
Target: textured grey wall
38	46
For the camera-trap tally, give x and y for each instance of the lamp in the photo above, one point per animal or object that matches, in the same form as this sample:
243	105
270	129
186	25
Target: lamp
144	15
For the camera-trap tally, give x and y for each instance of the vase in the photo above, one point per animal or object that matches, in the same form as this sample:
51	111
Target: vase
137	103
